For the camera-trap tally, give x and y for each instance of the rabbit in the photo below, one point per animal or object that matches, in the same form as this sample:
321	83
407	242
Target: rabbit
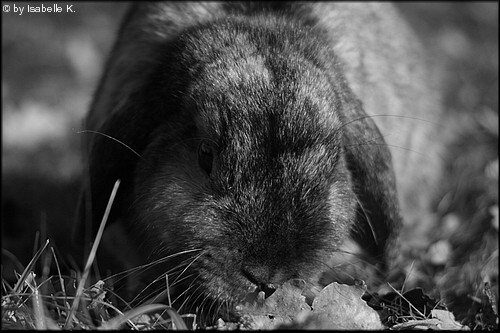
262	142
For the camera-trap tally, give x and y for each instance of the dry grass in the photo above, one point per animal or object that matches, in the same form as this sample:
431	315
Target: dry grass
53	302
59	302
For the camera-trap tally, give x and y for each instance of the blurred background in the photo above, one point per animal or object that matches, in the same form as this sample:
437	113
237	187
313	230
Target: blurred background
51	63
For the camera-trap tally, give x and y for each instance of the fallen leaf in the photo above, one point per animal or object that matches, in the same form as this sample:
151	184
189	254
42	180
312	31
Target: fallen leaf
447	320
279	308
340	306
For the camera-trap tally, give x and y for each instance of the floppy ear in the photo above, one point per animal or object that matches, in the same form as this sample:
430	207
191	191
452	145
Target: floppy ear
116	139
131	101
370	163
112	152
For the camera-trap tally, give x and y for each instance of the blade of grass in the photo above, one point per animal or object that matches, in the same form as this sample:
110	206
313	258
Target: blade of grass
42	321
168	291
407	301
46	263
37	239
118	321
28	269
38	309
92	255
61	280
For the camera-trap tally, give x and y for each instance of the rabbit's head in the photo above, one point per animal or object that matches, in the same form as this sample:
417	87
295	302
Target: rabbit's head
257	161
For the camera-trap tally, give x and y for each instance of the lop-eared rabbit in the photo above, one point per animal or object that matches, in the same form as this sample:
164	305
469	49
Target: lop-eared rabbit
262	142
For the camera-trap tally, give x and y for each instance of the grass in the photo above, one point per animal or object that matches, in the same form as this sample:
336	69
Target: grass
452	275
59	302
54	303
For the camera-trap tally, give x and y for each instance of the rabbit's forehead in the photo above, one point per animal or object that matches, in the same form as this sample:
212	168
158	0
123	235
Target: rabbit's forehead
247	101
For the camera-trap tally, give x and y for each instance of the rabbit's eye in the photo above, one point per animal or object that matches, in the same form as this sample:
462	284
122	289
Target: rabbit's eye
205	157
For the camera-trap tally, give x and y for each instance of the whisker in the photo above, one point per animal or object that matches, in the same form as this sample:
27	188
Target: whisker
143	295
393	146
114	139
184	278
221	305
127	273
187	294
189	265
367	219
213	303
189	291
389	115
356	262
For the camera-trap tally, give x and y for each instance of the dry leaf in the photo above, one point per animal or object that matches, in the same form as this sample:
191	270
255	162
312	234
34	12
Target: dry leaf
279	308
340	306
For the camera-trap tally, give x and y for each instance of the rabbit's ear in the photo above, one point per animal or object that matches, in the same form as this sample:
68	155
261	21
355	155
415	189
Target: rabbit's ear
370	164
112	153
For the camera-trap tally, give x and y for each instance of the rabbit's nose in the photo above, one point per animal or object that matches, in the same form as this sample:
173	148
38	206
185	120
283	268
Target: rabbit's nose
268	288
263	277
